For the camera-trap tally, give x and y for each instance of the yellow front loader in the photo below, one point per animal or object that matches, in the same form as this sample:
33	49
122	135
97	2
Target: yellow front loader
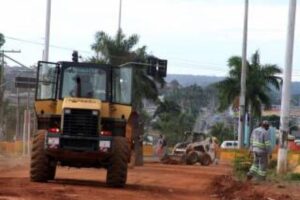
84	119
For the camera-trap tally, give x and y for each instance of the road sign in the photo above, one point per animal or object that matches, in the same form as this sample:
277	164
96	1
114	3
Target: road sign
25	82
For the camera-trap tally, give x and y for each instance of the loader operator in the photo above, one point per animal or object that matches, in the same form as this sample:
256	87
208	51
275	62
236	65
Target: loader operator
260	147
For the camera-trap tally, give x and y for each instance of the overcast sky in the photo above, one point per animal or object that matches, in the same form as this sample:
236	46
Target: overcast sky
196	36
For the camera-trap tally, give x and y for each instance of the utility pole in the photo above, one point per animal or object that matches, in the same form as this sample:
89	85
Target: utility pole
47	31
120	16
18	116
28	118
285	98
1	94
241	129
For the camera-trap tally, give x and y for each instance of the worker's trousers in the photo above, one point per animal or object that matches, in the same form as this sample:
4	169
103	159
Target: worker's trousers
259	165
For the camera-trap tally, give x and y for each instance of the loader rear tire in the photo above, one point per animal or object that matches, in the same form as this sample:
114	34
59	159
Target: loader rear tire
40	170
117	170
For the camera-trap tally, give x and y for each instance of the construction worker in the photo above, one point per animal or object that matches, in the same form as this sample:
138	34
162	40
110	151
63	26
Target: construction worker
217	150
260	147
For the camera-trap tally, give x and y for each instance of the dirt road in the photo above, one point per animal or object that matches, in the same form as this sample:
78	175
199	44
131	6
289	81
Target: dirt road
153	181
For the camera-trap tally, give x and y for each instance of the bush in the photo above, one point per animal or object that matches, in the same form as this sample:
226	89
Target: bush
241	165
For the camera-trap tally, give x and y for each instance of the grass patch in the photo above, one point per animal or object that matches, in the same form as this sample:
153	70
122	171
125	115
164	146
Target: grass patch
241	165
293	177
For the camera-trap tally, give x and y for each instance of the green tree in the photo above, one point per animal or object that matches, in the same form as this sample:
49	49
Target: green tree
190	98
260	81
118	50
179	110
168	107
222	132
173	126
2	40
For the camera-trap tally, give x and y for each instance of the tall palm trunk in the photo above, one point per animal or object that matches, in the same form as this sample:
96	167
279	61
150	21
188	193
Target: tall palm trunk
137	140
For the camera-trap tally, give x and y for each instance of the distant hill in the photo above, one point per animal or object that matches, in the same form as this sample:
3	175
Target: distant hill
186	80
183	79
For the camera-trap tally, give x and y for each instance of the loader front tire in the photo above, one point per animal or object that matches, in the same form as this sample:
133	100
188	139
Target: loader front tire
117	170
40	168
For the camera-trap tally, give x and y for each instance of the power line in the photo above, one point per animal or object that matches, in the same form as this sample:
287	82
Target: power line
42	44
194	61
189	63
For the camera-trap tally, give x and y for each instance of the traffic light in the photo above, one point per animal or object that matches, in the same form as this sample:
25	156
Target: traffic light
157	67
75	56
151	70
162	68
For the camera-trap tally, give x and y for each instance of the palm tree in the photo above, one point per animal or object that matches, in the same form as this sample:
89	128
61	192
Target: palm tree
261	79
118	50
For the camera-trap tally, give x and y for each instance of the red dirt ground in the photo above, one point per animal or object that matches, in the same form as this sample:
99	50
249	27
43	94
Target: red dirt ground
152	181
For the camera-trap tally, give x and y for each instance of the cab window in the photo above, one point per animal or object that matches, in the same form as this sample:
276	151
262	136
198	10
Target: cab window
122	85
84	82
47	78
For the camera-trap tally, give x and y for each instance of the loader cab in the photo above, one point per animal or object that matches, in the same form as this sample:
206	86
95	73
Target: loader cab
107	83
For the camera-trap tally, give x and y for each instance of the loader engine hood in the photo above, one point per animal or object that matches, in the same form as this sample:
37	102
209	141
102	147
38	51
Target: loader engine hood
81	103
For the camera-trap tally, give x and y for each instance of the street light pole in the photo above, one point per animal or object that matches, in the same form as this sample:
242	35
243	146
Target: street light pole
120	15
241	129
47	31
1	94
285	102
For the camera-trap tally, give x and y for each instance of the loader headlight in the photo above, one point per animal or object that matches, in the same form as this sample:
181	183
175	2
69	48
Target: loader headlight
67	111
95	112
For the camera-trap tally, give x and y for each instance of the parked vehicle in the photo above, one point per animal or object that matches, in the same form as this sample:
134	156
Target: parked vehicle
229	144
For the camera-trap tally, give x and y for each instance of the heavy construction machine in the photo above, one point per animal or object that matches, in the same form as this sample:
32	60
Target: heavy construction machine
85	117
196	147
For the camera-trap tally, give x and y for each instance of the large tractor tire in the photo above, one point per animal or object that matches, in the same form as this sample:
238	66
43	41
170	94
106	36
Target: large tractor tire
192	158
117	170
132	160
205	159
41	169
52	170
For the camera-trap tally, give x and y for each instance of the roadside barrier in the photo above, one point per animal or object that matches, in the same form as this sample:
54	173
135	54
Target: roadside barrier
230	155
11	147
